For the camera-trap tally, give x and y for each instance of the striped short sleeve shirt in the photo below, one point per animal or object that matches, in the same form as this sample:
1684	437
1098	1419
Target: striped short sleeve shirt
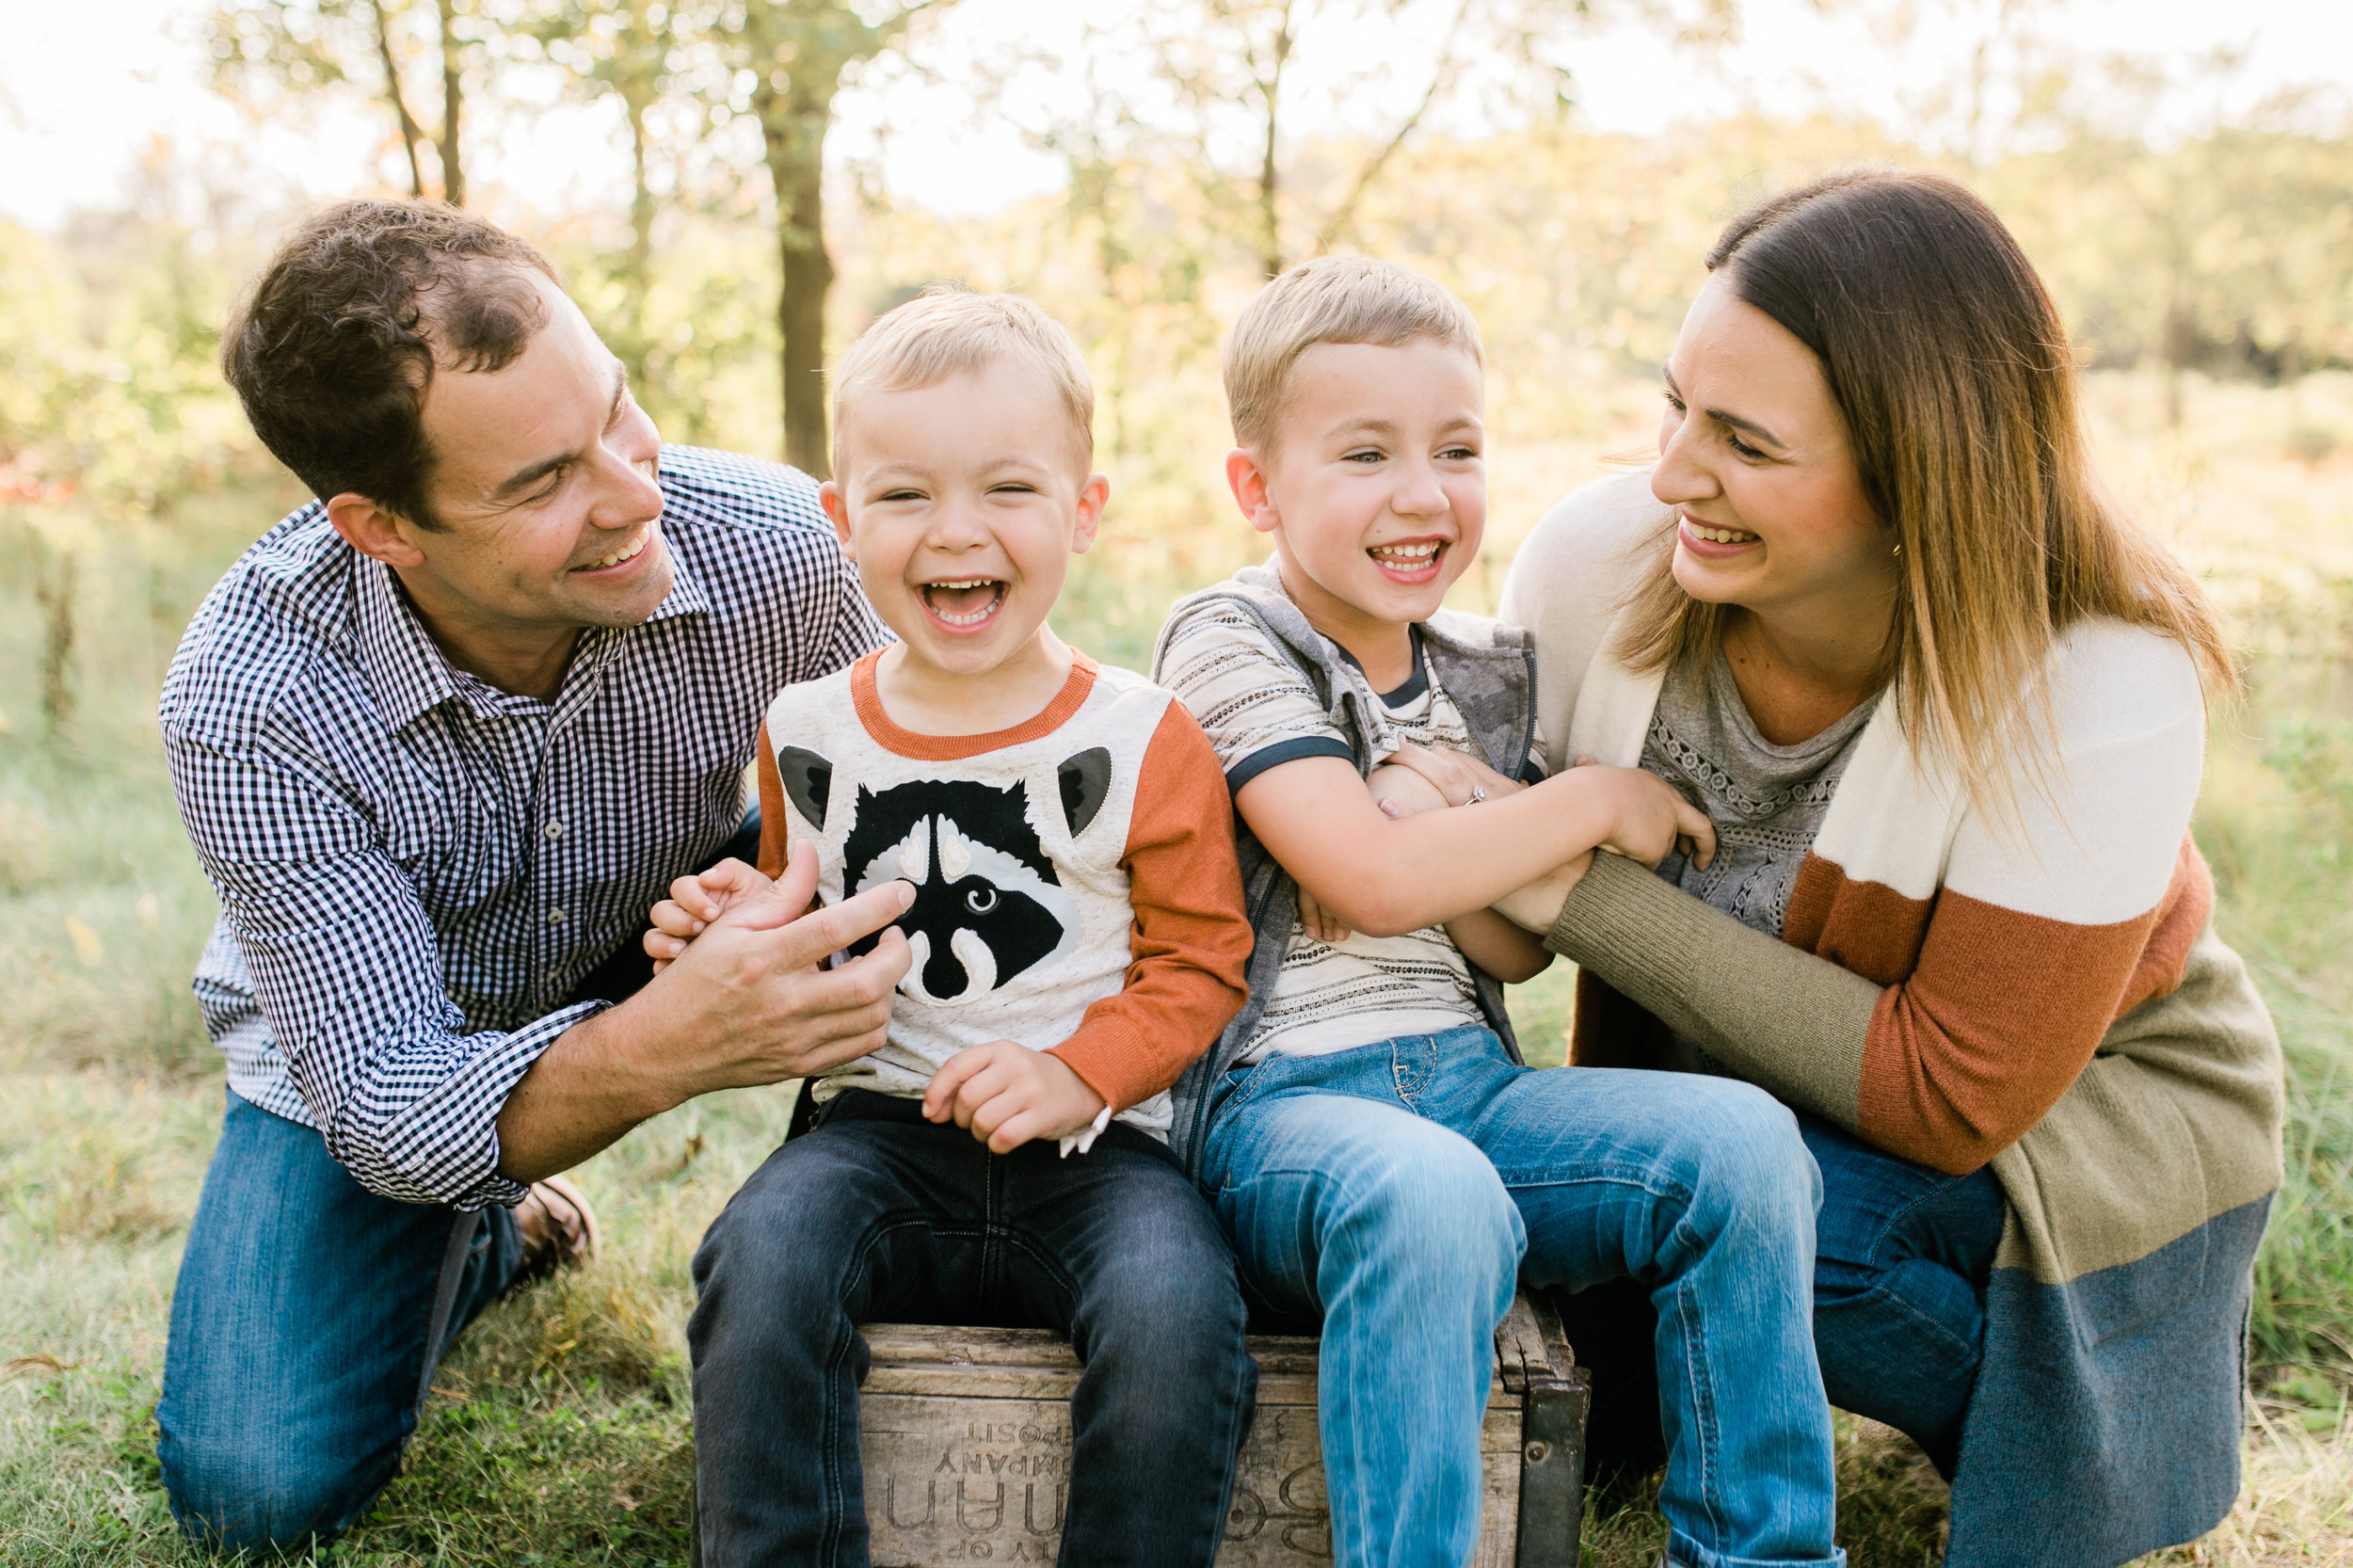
1259	713
416	870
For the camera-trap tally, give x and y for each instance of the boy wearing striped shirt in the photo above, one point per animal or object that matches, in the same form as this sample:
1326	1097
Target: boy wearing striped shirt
1077	939
1384	1161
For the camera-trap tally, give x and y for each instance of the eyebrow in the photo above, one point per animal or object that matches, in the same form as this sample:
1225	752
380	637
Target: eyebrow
524	477
1722	417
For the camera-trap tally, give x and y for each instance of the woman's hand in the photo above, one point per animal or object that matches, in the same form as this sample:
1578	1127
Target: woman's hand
1459	779
1537	907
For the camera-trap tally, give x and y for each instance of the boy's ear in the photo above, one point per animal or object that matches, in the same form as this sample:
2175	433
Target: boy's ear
838	512
371	531
1247	479
1093	497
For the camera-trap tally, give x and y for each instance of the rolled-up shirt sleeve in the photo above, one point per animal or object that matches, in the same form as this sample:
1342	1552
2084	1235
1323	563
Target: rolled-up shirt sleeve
348	971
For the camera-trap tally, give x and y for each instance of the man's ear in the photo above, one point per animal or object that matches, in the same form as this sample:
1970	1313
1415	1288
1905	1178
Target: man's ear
837	510
1247	479
371	531
1093	497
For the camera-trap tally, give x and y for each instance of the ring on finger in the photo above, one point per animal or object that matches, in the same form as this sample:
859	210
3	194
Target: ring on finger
1477	793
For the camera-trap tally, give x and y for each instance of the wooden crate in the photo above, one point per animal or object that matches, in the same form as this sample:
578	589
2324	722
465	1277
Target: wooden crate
966	1437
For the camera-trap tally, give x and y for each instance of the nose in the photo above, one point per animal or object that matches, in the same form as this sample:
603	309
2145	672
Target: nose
956	527
1683	474
1419	494
629	491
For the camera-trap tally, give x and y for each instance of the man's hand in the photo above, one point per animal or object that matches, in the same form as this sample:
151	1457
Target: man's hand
745	1003
1008	1093
694	903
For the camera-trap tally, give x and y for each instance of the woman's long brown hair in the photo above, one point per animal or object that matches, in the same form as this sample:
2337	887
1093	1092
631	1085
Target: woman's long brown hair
1962	405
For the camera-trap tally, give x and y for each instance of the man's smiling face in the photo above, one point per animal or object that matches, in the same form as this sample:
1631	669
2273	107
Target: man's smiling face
543	490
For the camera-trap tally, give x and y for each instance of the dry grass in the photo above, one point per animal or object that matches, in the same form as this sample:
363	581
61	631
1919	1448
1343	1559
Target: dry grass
562	1434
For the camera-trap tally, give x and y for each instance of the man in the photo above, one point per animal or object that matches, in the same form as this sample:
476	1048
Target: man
440	739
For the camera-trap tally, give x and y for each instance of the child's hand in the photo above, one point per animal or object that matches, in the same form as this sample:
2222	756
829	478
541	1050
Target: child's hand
1651	819
1008	1093
1318	921
694	903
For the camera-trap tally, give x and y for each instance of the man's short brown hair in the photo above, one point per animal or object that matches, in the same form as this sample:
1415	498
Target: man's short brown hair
333	349
1331	299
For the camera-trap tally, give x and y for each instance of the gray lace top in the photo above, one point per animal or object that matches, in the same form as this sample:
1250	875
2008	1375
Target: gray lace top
1767	801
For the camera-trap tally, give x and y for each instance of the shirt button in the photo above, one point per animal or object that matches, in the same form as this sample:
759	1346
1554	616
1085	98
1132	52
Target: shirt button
554	829
555	917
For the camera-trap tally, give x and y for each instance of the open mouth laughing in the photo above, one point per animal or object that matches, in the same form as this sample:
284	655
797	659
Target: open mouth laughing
628	552
1706	539
1410	560
964	604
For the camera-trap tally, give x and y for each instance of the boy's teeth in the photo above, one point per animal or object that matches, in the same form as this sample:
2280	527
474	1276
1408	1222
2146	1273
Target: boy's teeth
1720	535
949	598
1405	555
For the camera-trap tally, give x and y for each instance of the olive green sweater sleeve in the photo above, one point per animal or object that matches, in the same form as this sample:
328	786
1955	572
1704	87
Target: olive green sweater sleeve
1788	1022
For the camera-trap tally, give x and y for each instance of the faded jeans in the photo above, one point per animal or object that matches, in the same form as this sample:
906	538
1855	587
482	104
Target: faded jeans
1397	1191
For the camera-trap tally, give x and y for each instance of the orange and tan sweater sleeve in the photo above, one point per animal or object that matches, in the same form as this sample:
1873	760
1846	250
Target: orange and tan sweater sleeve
1947	1066
1190	943
1939	1003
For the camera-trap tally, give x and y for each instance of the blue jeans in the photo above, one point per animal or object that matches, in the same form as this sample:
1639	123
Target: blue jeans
1397	1189
298	1332
1899	1287
880	1216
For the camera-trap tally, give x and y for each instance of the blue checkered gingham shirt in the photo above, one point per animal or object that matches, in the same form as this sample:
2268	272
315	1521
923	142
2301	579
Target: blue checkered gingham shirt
417	868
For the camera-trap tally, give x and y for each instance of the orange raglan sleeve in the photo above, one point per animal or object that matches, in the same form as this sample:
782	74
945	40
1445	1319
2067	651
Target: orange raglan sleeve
1191	941
772	836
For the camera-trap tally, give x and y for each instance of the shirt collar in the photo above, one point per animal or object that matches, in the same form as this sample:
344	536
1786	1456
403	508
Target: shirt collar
407	668
403	666
686	596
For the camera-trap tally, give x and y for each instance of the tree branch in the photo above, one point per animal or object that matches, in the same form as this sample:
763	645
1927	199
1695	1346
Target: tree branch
411	131
1345	212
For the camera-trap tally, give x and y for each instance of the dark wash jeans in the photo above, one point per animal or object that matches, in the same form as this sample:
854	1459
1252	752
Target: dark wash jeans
1902	1257
299	1321
298	1336
879	1216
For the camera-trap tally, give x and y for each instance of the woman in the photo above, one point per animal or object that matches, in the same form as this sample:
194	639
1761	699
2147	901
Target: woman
1873	610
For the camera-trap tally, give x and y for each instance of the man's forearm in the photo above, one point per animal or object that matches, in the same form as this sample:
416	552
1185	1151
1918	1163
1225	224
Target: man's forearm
593	1084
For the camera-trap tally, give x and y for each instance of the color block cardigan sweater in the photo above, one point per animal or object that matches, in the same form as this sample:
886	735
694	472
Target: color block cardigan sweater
2051	1001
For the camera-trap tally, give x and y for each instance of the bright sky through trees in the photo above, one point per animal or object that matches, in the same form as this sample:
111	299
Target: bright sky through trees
85	90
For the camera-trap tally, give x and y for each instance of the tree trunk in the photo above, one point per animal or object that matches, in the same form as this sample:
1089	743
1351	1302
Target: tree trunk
411	131
55	599
641	214
453	169
1270	89
794	131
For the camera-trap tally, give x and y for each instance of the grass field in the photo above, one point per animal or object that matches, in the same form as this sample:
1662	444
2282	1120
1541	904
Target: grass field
561	1433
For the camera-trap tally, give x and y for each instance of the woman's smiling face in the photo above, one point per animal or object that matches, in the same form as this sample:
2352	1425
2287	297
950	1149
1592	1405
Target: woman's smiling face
1753	454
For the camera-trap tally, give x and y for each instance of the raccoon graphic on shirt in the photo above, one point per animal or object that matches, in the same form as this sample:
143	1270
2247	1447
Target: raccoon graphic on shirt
1018	845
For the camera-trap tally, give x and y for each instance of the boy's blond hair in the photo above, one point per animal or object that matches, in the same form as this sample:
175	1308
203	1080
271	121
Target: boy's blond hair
1331	299
950	331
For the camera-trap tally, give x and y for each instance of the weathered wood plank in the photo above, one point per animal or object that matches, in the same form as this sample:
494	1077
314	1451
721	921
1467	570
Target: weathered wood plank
966	1439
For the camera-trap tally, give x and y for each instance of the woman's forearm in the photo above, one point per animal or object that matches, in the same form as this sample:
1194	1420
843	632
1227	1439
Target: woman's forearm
1779	1017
